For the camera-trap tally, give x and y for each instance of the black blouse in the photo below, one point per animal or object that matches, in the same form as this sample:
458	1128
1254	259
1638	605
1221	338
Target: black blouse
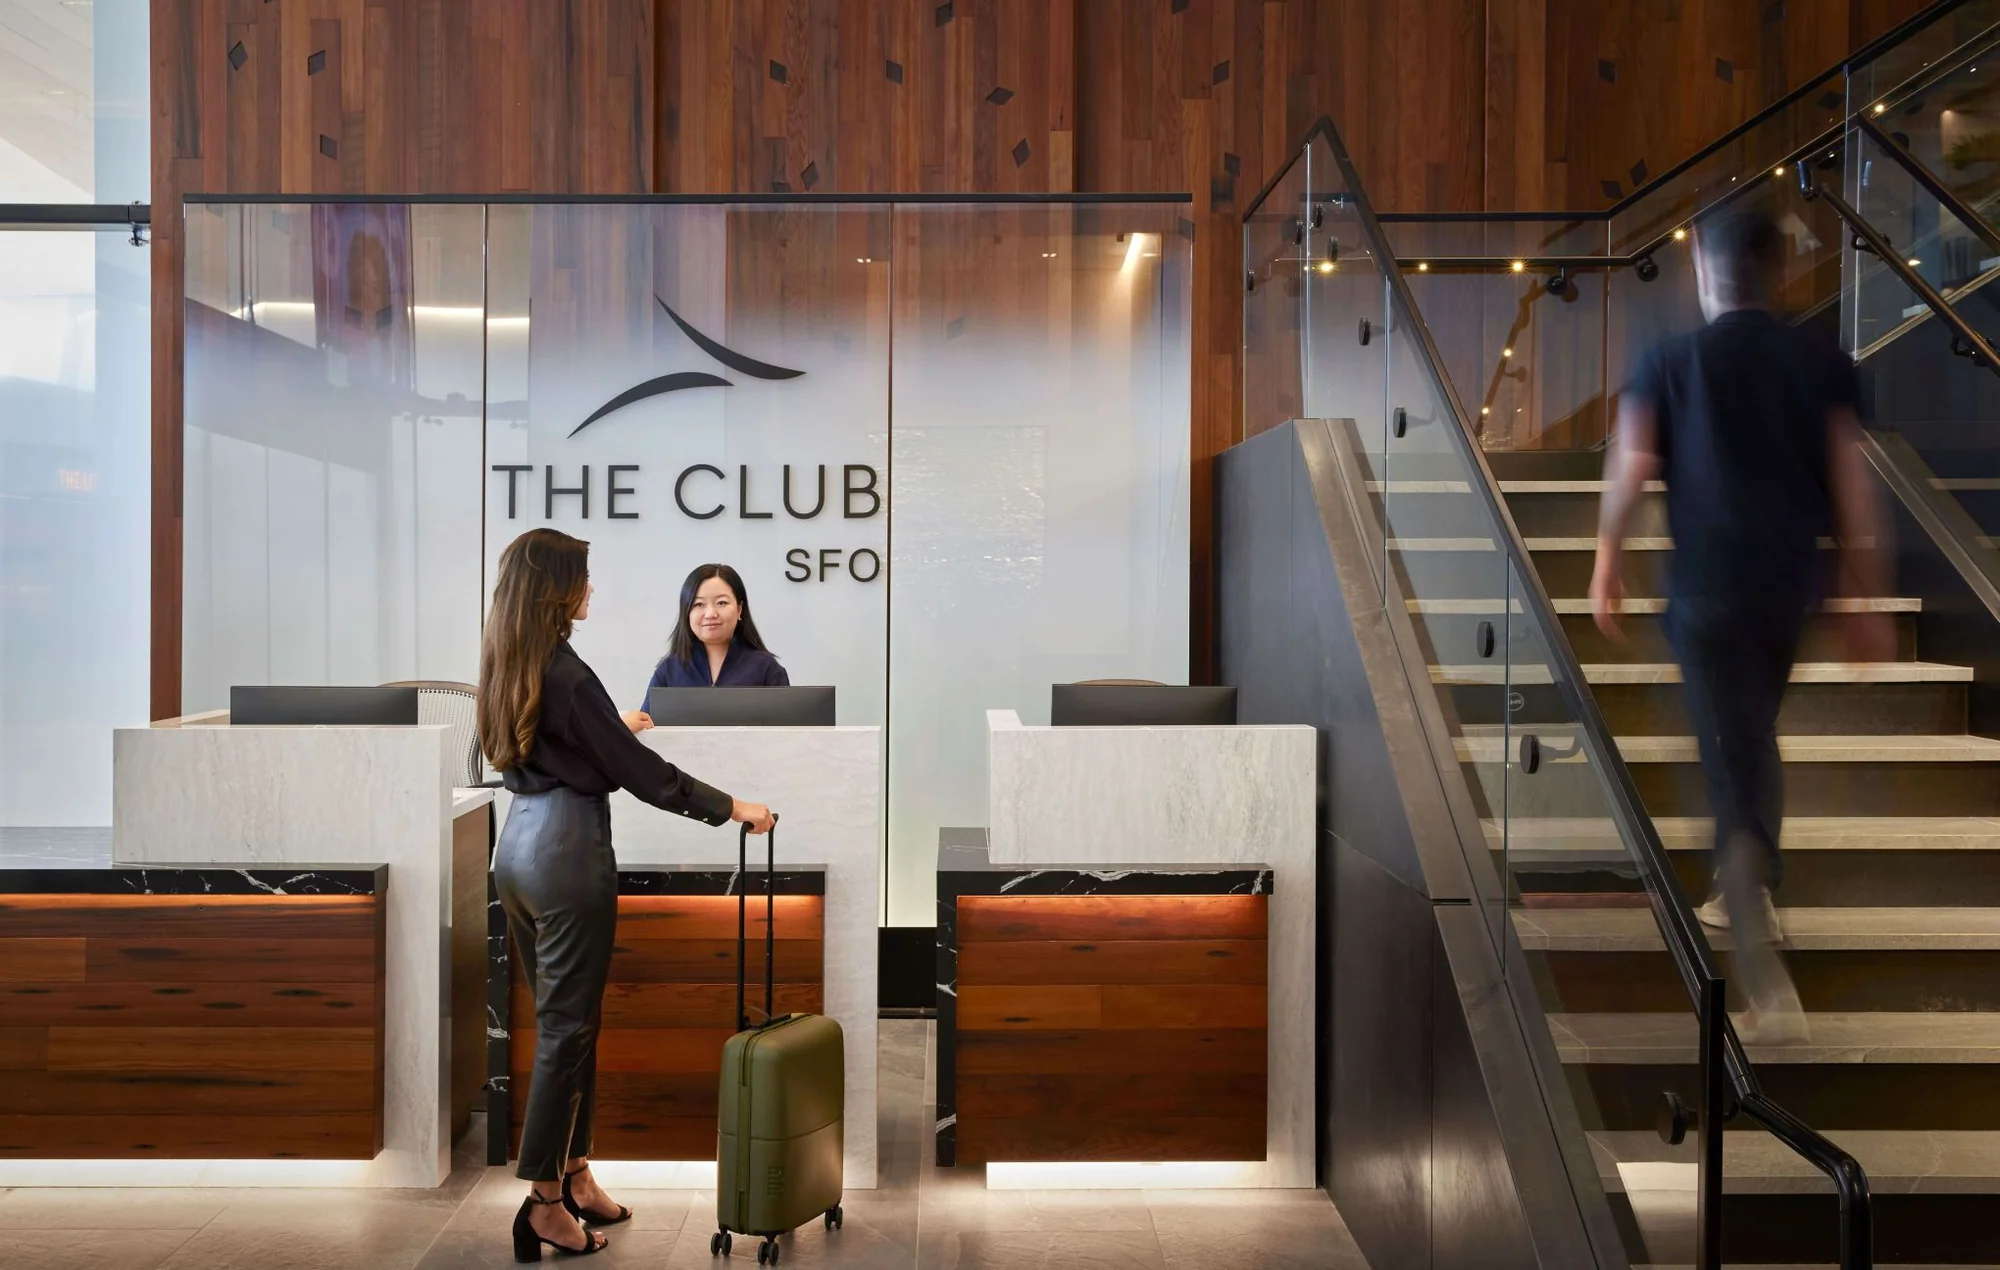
580	742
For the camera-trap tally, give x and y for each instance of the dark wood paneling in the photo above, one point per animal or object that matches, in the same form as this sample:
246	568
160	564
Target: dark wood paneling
1100	1027
130	1036
670	1005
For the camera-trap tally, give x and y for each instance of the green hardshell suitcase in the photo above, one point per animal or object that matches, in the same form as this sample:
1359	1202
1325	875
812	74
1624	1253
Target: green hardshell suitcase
780	1106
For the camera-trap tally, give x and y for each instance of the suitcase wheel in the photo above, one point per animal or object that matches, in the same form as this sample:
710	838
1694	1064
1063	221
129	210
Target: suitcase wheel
835	1218
718	1244
767	1252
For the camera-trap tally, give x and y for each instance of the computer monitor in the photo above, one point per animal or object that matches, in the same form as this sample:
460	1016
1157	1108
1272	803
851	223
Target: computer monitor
798	706
1137	705
268	704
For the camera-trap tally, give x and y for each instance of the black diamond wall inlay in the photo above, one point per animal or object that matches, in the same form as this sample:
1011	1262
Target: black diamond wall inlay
1774	12
1179	6
1219	73
1611	189
1830	101
779	73
809	177
894	70
942	15
1607	70
237	56
1725	70
1638	173
1232	164
1021	152
1185	228
954	328
328	146
1000	96
1221	189
781	187
316	63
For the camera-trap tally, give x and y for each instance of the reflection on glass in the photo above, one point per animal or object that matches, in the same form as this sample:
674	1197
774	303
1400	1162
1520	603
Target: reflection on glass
75	367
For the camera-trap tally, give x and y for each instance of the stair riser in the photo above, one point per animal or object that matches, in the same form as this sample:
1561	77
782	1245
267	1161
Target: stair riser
1811	789
1983	505
1907	979
1813	879
1924	1228
1647	639
1546	465
1854	1096
1810	709
1821	789
1422	514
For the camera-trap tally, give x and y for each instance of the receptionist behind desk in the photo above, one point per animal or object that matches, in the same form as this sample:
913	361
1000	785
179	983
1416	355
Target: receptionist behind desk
715	642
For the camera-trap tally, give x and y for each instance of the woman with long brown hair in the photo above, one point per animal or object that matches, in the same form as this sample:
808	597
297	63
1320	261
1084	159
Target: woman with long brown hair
547	725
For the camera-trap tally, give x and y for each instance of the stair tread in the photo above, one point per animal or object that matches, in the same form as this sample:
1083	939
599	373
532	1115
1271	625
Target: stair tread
1819	672
1481	745
1807	833
1632	929
1836	1037
1393	487
1541	544
1897	1161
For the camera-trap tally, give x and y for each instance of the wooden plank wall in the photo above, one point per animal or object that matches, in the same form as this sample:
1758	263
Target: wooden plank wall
670	1005
1111	1027
191	1026
1446	105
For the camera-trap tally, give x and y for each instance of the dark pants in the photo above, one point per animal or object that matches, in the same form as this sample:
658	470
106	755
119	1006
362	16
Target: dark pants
1736	656
558	881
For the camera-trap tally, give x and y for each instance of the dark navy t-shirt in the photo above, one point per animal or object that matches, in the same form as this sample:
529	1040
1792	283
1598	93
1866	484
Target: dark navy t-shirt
744	667
1742	406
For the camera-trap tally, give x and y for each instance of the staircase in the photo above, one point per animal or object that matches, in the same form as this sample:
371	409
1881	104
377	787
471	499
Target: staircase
1890	905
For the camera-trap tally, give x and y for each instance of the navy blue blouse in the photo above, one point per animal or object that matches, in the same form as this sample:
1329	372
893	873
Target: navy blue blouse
743	667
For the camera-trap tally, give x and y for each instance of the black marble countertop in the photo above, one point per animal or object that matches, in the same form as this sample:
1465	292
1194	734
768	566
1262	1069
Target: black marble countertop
720	878
963	859
192	879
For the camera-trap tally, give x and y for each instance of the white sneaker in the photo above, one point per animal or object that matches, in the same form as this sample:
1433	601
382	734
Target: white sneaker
1714	912
1778	1019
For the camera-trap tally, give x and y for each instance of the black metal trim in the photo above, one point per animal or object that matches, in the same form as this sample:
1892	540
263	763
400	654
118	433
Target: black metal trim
1923	176
74	215
679	199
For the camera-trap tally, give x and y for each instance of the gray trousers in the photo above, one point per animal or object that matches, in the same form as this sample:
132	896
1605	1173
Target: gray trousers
558	882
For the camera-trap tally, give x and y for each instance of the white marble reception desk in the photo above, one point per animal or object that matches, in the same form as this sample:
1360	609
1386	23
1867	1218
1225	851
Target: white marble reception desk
1078	796
194	791
826	786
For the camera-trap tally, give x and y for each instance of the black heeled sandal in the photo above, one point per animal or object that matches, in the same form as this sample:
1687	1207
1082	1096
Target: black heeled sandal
528	1241
581	1214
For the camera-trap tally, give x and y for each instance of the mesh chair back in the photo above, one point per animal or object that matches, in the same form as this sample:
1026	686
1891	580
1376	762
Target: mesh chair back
454	705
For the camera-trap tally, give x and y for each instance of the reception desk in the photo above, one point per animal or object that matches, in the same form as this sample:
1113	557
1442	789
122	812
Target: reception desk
1136	921
675	958
271	879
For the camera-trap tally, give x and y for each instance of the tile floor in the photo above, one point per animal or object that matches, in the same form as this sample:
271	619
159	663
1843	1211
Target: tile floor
936	1219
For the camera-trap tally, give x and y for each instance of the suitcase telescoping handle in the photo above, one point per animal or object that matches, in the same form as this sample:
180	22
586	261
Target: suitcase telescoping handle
770	921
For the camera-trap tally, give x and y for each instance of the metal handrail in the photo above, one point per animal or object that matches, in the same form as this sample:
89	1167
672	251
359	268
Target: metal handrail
1880	248
1937	189
1686	947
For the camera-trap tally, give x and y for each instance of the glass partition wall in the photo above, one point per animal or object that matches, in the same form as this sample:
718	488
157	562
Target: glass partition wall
946	445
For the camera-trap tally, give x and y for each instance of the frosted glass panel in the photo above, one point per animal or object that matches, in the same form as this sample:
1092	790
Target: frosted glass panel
332	488
1040	487
75	441
946	446
744	456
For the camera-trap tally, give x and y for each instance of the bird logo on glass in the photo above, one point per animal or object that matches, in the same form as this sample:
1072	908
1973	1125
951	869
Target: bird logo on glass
738	362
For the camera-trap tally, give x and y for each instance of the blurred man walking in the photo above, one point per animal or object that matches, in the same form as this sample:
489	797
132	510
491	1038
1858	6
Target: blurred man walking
1753	425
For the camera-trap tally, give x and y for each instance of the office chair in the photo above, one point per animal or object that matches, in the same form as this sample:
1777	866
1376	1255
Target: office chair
452	704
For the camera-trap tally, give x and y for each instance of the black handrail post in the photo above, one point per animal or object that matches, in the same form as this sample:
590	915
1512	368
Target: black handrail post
1715	1092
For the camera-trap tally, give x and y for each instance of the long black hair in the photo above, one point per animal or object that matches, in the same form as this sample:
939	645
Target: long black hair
683	647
